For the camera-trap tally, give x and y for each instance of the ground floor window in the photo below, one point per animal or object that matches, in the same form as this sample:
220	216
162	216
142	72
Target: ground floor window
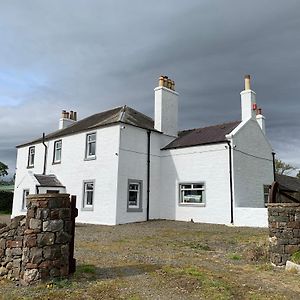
192	193
134	201
266	194
25	194
88	194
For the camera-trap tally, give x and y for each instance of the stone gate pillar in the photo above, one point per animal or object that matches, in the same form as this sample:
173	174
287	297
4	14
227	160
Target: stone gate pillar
46	237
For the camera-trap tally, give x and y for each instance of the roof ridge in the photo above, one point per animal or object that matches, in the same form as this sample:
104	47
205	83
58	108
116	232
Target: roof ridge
225	123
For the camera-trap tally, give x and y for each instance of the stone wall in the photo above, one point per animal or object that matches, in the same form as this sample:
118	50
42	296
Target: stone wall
37	246
284	231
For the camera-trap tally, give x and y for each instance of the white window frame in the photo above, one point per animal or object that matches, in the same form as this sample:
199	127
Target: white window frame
139	192
57	147
85	205
182	188
31	157
88	145
24	196
266	186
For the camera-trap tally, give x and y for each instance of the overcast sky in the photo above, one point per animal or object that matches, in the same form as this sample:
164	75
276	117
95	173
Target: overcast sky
92	55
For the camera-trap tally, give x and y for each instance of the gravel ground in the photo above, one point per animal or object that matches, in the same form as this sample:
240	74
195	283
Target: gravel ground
167	260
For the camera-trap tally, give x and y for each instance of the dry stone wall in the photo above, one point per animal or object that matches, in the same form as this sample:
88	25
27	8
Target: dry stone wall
37	246
284	231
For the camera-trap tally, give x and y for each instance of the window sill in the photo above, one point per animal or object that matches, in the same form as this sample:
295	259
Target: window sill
134	209
87	208
192	204
30	167
56	163
90	158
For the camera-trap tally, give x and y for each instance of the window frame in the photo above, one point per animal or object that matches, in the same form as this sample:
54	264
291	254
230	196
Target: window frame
24	202
86	206
266	186
139	206
30	164
87	144
55	161
191	183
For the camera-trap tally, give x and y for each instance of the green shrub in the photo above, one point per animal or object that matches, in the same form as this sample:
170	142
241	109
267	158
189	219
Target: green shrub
6	201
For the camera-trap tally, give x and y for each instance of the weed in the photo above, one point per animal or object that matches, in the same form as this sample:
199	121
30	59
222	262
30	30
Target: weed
234	256
90	269
296	257
198	246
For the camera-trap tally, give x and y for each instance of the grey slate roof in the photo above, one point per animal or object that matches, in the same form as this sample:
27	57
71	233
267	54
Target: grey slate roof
48	180
122	114
288	183
202	136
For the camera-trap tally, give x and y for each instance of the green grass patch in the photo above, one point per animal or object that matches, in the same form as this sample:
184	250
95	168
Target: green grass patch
87	269
234	256
296	257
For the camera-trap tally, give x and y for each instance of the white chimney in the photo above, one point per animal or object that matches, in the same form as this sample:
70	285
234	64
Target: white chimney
166	107
248	102
67	119
261	120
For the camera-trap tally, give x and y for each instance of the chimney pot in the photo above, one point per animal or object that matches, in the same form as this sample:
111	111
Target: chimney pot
75	115
161	81
247	82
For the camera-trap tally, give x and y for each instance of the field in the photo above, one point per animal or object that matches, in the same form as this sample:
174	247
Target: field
167	260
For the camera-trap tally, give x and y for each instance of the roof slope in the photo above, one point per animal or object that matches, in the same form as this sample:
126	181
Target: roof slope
48	180
122	114
288	183
202	136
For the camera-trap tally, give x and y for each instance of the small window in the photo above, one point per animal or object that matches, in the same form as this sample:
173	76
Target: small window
57	152
31	154
90	151
88	194
266	194
25	194
134	201
192	193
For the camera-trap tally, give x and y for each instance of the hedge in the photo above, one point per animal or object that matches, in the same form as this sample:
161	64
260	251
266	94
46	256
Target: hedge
6	201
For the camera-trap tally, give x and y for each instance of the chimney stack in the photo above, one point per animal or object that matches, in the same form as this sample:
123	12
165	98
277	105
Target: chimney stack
261	120
67	119
166	107
248	101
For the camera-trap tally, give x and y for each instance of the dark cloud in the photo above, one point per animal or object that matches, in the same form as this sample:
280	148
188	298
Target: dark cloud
92	55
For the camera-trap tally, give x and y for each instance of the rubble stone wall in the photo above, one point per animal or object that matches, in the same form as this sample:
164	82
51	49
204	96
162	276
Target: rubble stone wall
284	231
37	246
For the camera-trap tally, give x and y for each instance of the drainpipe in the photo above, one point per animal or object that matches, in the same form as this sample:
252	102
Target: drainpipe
148	173
45	154
230	180
274	168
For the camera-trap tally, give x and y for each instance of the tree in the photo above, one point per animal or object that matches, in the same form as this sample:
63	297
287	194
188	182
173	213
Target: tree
3	169
283	168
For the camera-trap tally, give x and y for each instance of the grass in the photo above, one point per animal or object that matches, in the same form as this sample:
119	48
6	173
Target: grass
296	257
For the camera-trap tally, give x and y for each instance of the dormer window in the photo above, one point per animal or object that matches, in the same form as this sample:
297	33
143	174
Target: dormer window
31	154
57	152
90	151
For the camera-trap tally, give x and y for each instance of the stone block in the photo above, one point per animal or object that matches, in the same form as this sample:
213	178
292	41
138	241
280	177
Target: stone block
65	213
14	244
54	214
16	263
14	223
290	249
46	264
68	226
2	243
42	203
64	270
65	251
54	272
30	240
52	252
16	251
36	255
42	213
35	224
31	213
45	238
3	271
30	276
62	237
53	225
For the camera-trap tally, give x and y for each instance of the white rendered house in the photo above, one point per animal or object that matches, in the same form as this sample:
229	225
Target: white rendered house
124	167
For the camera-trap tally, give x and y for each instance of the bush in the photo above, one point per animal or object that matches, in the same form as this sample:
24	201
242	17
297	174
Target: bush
6	201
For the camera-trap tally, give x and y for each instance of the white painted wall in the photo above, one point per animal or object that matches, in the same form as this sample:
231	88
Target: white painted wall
208	164
133	165
252	164
74	170
166	111
250	217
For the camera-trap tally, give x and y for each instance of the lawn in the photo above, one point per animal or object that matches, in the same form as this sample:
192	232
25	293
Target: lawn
167	260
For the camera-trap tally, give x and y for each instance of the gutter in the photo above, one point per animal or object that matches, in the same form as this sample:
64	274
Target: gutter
45	154
148	172
230	181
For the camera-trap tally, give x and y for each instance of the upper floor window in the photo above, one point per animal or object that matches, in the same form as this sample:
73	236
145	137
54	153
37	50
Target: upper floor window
90	151
31	154
192	193
57	152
